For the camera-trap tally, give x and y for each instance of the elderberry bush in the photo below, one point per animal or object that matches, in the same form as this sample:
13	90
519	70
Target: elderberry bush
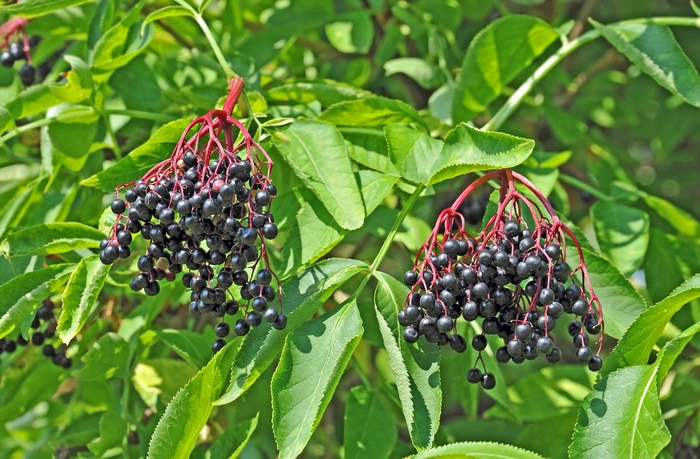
43	330
205	213
16	46
513	278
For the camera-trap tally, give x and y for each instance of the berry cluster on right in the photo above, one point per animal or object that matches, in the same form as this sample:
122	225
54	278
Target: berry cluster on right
513	278
16	46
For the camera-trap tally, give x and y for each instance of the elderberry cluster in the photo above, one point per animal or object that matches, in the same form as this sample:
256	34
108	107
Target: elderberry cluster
207	216
513	279
18	51
45	320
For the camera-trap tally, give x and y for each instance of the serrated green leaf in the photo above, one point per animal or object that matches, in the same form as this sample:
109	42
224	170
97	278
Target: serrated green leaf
351	32
327	92
34	8
416	366
672	349
317	154
372	111
374	187
313	359
50	238
467	150
495	56
122	42
621	417
22	295
302	295
112	429
177	431
140	160
230	444
30	101
412	152
656	52
668	262
369	429
73	138
477	450
636	345
106	359
622	233
193	347
81	292
371	151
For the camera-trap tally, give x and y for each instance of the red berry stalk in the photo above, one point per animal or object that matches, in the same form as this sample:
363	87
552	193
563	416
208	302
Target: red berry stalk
17	45
205	208
516	278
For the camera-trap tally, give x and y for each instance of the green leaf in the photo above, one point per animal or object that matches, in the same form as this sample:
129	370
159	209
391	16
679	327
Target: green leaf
621	302
177	431
25	387
374	187
467	150
313	359
79	84
352	32
372	111
80	294
166	12
656	52
495	56
695	7
191	346
412	152
369	429
21	295
622	233
327	92
425	74
30	101
669	261
159	379
316	151
107	358
416	366
621	417
672	349
371	151
113	428
477	450
302	295
636	345
142	159
73	138
34	8
122	42
50	238
230	444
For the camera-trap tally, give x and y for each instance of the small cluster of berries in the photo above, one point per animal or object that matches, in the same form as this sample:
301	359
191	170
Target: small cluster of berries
18	50
512	277
44	319
206	210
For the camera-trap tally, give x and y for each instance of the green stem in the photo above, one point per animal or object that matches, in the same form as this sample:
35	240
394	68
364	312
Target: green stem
583	186
115	144
139	114
514	101
215	47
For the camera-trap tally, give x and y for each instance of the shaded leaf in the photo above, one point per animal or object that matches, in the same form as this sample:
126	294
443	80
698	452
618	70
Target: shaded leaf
413	152
416	366
106	359
622	233
369	428
313	359
372	111
424	73
81	292
621	417
477	450
636	345
230	444
351	32
327	92
177	431
303	294
112	429
34	8
191	346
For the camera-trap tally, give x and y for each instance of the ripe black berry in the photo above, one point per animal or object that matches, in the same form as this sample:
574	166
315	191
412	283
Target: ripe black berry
488	381
474	375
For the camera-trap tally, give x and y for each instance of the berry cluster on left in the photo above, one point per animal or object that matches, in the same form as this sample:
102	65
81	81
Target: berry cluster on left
16	46
44	326
206	210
